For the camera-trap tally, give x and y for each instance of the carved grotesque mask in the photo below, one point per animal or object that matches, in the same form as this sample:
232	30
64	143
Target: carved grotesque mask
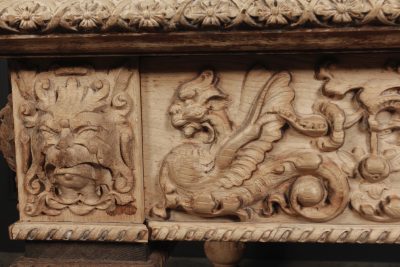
81	143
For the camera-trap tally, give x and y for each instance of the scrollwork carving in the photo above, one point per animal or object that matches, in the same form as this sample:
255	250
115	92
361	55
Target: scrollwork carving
225	169
348	157
376	101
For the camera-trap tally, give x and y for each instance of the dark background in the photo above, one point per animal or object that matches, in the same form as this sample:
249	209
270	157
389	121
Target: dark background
343	254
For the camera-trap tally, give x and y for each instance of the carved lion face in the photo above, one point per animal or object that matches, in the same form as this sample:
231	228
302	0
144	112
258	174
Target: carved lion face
81	142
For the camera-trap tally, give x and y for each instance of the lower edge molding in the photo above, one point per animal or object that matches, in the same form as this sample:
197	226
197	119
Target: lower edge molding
110	232
206	231
265	232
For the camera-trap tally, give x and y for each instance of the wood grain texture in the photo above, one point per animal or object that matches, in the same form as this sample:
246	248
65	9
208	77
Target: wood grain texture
264	148
271	139
78	141
299	40
224	254
183	26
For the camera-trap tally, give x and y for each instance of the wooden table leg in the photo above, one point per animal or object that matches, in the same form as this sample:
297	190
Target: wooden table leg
224	254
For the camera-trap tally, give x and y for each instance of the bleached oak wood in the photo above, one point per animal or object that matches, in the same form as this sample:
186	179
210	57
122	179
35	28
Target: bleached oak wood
314	143
286	148
78	141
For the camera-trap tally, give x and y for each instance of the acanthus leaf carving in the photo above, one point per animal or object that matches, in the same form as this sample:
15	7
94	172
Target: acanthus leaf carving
76	140
376	100
230	168
226	169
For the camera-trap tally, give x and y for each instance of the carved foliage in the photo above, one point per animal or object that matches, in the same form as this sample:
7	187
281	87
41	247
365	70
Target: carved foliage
376	101
148	15
76	140
225	169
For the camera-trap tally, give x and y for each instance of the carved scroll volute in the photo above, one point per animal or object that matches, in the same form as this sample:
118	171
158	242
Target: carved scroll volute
78	142
376	102
240	178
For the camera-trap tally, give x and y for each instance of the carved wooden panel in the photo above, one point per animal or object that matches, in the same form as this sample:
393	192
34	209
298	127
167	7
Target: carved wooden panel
78	145
235	148
303	141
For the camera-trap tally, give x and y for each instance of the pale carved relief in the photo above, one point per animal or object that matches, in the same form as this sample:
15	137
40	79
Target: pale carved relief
229	169
148	15
76	140
376	102
225	169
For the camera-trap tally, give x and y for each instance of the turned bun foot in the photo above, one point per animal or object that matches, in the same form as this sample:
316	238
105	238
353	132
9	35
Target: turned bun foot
224	254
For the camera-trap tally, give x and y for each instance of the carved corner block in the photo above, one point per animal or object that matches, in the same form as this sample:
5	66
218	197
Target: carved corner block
78	147
255	153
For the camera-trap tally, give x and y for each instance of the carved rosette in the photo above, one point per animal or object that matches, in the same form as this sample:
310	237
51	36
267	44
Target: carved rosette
169	15
75	140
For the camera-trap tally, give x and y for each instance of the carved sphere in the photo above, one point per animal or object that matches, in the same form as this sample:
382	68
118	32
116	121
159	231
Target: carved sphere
374	168
308	190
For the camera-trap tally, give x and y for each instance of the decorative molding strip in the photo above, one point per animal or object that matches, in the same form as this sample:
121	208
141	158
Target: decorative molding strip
257	232
46	16
79	232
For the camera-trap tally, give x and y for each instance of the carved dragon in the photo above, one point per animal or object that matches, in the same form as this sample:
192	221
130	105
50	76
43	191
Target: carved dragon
225	169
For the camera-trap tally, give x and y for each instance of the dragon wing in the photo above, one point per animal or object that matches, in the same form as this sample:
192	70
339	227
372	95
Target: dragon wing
239	157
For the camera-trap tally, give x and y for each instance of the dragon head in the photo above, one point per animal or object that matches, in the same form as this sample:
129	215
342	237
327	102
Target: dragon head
197	104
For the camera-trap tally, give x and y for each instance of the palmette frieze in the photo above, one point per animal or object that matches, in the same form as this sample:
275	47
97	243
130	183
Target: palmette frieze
46	16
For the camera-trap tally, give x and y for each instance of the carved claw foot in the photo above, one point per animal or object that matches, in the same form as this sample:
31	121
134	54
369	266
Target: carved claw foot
224	254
